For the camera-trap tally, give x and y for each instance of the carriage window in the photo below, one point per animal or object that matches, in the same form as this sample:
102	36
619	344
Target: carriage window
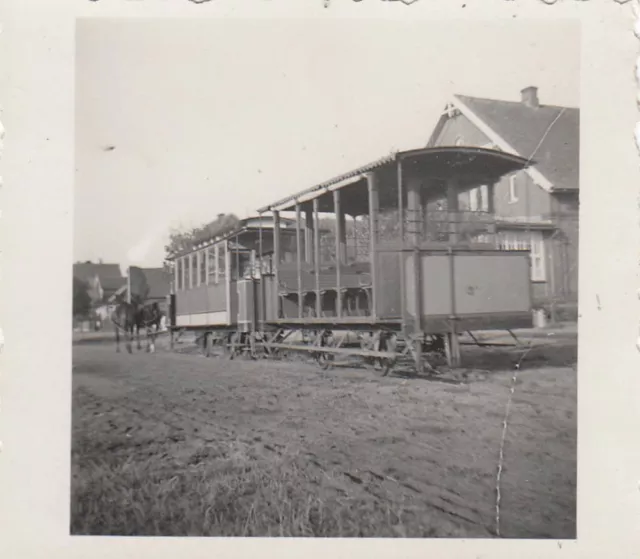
267	264
211	272
187	271
203	267
222	267
194	270
245	265
179	284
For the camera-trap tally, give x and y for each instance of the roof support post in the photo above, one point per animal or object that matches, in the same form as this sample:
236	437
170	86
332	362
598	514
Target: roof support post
424	209
308	235
414	210
276	258
198	256
176	269
299	259
206	266
339	250
261	306
402	264
374	208
355	237
343	236
216	254
491	210
316	256
238	276
453	209
183	271
227	281
260	245
491	198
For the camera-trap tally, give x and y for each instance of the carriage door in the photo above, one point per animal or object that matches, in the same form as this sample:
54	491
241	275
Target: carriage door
246	291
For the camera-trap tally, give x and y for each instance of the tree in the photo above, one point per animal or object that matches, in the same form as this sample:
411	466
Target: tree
181	240
81	298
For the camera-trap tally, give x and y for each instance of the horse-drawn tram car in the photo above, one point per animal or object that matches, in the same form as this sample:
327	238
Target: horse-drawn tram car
380	264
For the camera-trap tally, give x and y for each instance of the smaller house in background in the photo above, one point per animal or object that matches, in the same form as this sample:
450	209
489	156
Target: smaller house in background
103	279
159	282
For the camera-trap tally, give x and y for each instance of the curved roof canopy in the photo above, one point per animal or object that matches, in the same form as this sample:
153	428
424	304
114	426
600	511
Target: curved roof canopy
471	166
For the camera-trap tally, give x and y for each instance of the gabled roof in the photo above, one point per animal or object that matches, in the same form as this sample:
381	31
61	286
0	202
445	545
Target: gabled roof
549	134
109	275
546	134
158	279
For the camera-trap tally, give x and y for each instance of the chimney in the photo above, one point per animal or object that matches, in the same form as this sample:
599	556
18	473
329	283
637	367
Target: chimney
530	97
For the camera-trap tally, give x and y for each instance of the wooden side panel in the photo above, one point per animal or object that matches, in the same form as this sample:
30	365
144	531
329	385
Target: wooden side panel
233	303
201	299
388	285
217	297
436	285
496	283
270	304
172	309
246	304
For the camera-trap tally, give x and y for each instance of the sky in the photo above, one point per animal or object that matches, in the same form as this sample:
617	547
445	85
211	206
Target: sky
177	121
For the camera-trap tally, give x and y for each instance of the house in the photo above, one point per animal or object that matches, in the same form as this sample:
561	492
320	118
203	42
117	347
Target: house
103	279
159	282
537	208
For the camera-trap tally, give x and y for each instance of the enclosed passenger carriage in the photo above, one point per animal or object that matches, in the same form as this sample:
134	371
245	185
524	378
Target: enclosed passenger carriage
222	286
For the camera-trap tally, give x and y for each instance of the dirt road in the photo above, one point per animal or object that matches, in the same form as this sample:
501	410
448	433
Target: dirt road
421	454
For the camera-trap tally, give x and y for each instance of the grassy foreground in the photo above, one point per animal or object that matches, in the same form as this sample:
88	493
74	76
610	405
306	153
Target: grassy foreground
180	445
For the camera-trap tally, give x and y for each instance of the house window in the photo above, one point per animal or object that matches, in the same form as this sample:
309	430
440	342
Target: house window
513	189
484	198
479	199
532	241
473	200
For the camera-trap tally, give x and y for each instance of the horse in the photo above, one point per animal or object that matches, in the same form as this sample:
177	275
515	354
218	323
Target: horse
126	317
151	319
133	317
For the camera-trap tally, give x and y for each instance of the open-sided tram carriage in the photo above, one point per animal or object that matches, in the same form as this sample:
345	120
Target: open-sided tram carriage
381	263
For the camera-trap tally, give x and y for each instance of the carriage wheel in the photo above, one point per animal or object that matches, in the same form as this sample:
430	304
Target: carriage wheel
230	346
324	360
383	366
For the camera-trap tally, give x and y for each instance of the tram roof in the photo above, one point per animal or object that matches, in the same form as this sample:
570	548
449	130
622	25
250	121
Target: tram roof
244	227
473	165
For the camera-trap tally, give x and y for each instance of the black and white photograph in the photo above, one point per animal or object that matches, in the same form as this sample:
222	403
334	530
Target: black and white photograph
320	293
